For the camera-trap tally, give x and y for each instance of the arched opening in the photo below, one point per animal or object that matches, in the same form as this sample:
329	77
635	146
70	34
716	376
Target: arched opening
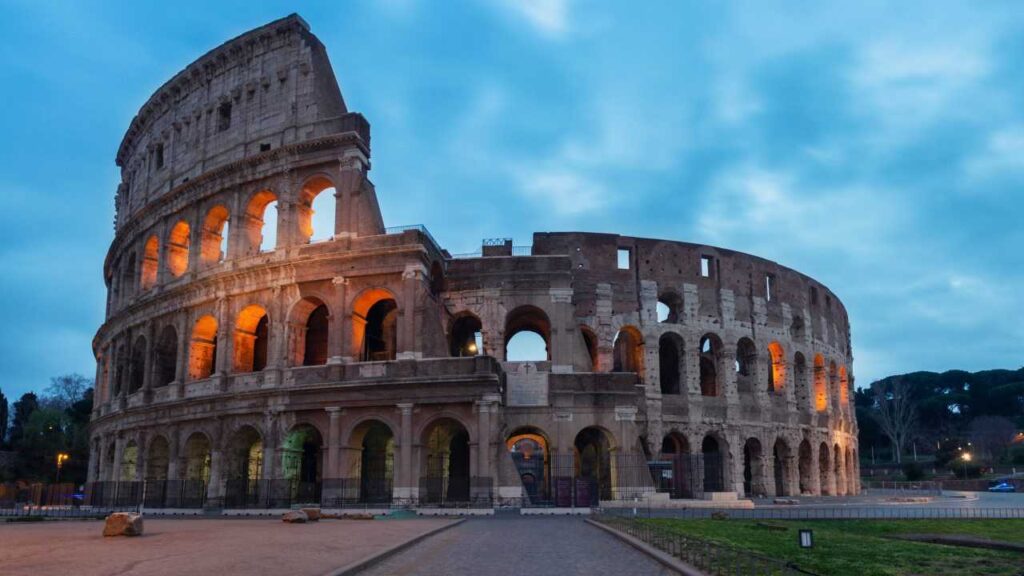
820	384
714	465
150	263
260	223
710	354
796	328
437	281
833	384
202	349
800	378
844	387
302	463
780	465
669	307
138	365
310	328
594	466
628	351
376	445
590	343
806	468
158	459
165	359
251	337
244	467
528	448
214	243
110	471
824	469
746	366
466	337
446	476
837	472
670	363
121	370
777	370
317	210
753	469
130	462
177	249
375	325
527	335
682	477
197	458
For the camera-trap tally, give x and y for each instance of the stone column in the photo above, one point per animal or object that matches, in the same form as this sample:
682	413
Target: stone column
225	344
405	489
350	182
483	443
215	488
271	442
118	454
412	279
333	441
338	335
148	364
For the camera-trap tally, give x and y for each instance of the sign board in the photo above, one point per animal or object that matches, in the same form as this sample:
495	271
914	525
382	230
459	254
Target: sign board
526	385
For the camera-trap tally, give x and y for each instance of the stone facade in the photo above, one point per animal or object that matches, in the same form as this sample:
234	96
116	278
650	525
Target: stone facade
375	362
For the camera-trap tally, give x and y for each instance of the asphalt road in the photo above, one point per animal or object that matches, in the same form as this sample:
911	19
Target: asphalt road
511	545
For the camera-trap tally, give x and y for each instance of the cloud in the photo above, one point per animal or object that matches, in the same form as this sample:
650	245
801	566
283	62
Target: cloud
567	192
549	17
1003	155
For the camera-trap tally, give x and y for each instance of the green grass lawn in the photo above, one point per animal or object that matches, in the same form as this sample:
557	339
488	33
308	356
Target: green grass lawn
864	547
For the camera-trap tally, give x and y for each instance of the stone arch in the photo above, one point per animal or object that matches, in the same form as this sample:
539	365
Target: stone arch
202	350
197	456
806	467
754	477
628	351
671	364
309	323
669	307
129	471
158	458
213	245
177	248
593	446
590	343
302	462
777	369
820	384
252	334
165	357
746	366
375	325
844	387
317	196
150	263
244	452
374	441
446	461
465	336
530	450
781	459
714	450
254	228
137	369
837	470
710	357
523	320
824	468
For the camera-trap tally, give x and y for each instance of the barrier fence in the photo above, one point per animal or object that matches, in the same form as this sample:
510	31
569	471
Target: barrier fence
822	513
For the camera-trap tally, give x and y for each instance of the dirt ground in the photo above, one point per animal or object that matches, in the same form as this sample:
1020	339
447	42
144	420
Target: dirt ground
199	546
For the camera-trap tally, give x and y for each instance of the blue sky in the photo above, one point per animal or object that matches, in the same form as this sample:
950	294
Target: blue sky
879	150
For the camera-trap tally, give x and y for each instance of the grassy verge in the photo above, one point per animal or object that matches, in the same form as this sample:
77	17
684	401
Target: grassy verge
864	547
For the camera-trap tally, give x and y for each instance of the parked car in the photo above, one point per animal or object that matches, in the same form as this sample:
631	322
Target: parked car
1002	487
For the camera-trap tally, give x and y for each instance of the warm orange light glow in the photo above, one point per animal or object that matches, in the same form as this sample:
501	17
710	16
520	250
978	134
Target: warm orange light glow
820	384
177	249
213	235
203	348
150	263
844	386
310	190
254	214
778	373
245	337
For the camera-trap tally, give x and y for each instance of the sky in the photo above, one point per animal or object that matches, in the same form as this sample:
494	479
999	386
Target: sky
879	150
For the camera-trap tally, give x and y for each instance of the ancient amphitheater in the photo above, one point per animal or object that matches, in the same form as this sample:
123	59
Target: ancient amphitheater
250	360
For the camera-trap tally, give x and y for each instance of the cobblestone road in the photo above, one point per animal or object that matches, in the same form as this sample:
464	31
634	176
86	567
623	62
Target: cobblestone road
507	545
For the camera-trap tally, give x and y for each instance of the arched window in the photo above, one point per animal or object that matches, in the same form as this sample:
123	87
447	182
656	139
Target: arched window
746	366
527	335
251	336
302	461
317	209
150	263
261	222
466	336
590	343
628	349
166	357
197	458
593	449
202	350
670	307
710	354
714	464
844	387
158	459
309	324
138	365
375	325
777	370
130	462
820	384
244	463
375	443
670	363
214	243
447	474
177	249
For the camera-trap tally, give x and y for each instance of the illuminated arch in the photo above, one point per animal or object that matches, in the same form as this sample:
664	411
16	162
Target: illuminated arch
214	243
202	349
254	225
317	197
150	263
820	384
520	322
375	325
252	333
777	370
177	248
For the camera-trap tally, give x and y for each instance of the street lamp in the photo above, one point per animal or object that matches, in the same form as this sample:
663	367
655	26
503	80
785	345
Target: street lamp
965	457
61	458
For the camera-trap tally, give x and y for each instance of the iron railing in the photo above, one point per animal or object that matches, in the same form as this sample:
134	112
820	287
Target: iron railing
823	512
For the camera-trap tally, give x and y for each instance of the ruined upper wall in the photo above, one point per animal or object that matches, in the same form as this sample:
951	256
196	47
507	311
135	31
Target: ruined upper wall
267	88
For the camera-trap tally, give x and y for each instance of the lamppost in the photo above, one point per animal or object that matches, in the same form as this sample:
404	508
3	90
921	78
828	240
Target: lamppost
61	458
966	457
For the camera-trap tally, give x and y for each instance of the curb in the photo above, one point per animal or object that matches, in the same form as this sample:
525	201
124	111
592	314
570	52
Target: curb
360	565
667	560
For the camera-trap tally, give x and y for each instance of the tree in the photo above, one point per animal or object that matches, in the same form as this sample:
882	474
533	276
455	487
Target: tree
991	435
3	420
65	390
896	412
23	410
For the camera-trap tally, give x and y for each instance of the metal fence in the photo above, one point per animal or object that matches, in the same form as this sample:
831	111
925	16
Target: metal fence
922	488
823	513
710	557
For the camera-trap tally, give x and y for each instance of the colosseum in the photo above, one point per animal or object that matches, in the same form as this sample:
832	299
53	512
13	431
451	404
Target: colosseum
249	359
